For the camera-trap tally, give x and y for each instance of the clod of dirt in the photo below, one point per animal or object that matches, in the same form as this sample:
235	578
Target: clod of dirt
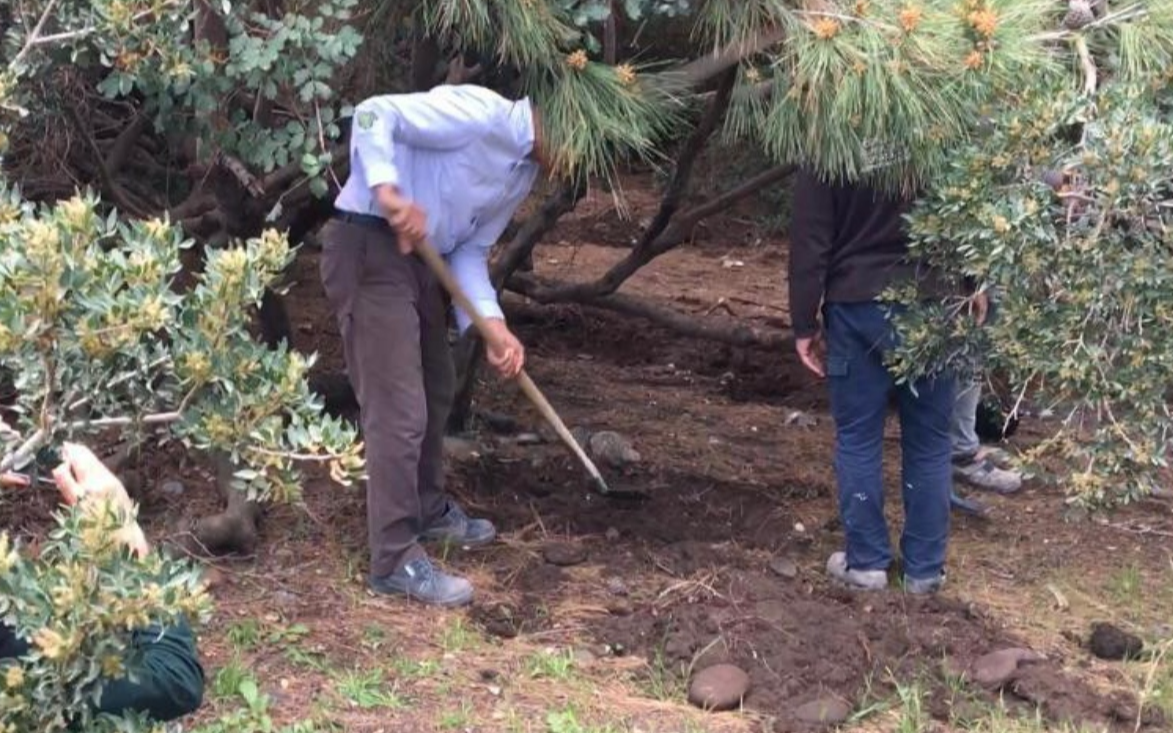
213	578
997	669
619	607
825	711
721	687
785	567
499	620
564	554
612	449
1111	642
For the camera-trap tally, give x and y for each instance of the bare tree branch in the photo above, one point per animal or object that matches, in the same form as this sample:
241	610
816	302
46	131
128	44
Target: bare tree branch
672	236
721	330
243	175
124	143
682	226
562	200
696	142
698	71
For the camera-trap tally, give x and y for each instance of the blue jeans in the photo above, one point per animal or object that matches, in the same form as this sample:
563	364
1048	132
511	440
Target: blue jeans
858	335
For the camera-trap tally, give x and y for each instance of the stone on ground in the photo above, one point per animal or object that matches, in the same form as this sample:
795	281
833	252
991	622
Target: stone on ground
827	710
784	567
564	554
997	669
720	687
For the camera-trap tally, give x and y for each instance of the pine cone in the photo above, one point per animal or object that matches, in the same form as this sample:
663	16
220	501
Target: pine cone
1079	15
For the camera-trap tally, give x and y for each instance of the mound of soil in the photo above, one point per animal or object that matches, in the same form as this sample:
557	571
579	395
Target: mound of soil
702	593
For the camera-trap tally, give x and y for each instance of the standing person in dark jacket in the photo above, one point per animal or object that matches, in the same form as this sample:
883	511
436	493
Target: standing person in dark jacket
848	244
168	678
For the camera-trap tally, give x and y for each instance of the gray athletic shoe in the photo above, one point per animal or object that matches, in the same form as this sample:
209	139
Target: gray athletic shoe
923	586
421	581
981	473
855	579
456	528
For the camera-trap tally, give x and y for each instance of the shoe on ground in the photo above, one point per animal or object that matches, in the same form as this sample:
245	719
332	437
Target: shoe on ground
421	581
855	579
923	586
981	473
458	529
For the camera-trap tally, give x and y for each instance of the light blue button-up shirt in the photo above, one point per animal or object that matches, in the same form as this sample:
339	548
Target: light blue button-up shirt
462	153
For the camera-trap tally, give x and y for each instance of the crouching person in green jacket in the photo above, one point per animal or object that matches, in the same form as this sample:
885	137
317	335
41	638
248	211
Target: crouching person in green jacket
166	680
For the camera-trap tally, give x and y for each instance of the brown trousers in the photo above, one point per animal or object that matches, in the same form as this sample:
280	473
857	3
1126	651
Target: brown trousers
391	313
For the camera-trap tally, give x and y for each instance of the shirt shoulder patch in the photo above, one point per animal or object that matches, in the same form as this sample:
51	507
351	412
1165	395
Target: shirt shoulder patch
366	119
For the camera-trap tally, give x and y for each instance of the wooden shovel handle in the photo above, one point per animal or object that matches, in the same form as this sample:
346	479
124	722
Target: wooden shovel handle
436	264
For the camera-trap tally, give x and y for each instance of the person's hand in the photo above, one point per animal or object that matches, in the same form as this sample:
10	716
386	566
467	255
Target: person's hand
504	352
409	221
85	481
811	352
979	306
14	481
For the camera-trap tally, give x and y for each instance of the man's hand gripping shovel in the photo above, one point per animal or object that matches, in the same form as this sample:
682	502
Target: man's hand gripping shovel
436	264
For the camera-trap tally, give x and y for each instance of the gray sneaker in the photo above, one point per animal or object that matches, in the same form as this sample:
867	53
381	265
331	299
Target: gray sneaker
456	528
981	473
855	579
923	586
421	581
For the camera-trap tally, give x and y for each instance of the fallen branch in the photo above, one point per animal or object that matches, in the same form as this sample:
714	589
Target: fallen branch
720	330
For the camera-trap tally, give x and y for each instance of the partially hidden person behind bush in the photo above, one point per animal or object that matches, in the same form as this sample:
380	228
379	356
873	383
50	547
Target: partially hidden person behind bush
451	166
164	679
849	244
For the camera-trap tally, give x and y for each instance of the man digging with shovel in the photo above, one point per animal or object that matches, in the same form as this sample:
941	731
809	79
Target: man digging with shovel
449	166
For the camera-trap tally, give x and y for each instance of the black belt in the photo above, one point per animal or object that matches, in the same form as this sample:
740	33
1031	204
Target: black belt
369	221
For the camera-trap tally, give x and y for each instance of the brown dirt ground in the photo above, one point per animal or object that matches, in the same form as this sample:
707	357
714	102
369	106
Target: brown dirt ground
681	580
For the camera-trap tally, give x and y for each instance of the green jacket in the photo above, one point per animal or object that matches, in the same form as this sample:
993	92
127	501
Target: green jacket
170	680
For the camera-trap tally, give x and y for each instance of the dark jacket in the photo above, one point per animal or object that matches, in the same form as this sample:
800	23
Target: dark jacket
170	680
847	244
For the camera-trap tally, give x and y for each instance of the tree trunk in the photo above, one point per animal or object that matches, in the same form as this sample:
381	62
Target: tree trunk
233	531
